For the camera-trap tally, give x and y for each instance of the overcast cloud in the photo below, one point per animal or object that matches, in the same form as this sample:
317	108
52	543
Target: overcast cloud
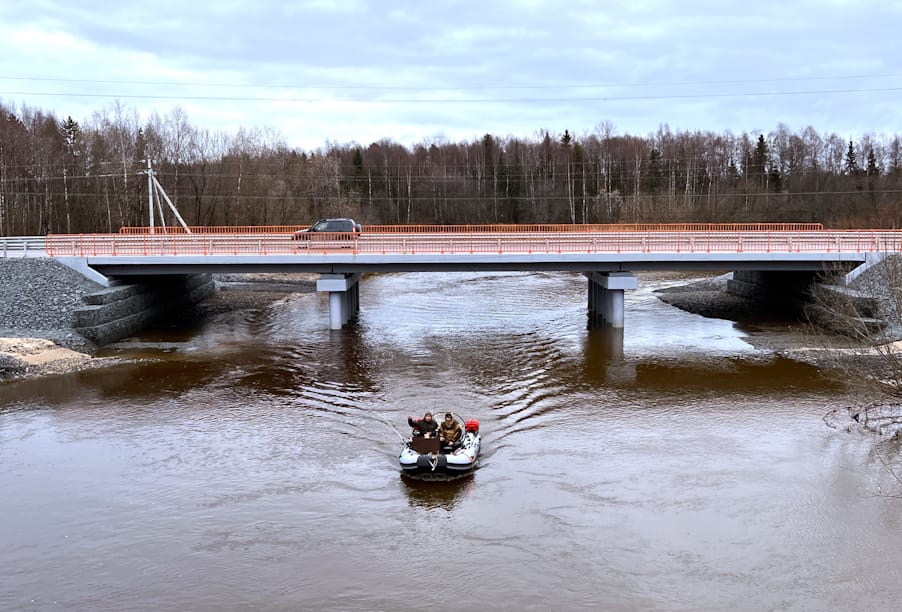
364	70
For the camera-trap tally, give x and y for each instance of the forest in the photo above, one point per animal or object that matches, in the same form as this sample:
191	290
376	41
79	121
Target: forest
59	175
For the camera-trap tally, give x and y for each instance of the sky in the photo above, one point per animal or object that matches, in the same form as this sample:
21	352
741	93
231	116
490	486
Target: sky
359	71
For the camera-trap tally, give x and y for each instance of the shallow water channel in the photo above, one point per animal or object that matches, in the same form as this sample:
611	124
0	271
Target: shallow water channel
252	464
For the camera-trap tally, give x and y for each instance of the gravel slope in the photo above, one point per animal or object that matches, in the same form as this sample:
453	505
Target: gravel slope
37	298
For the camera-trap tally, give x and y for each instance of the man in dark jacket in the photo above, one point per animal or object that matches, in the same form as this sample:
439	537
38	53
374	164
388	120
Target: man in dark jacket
426	426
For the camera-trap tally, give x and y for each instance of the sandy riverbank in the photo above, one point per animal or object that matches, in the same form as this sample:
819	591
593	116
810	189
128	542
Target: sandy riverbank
22	357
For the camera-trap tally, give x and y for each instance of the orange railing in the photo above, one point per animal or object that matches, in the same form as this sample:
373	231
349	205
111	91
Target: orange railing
594	227
223	229
497	243
497	228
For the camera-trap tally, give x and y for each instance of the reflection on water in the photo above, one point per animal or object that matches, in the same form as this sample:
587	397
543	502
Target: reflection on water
438	492
252	463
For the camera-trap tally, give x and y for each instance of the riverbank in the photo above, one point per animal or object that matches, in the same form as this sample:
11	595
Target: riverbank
38	296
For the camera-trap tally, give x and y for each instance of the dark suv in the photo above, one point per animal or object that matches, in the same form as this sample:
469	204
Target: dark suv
326	232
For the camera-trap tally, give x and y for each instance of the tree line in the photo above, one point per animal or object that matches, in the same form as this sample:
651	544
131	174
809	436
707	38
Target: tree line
58	175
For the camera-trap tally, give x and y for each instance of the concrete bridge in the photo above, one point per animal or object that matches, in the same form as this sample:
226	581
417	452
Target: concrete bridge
607	255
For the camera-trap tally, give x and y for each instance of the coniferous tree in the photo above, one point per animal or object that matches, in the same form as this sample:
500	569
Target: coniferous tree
655	176
759	162
566	139
71	133
873	168
357	162
851	165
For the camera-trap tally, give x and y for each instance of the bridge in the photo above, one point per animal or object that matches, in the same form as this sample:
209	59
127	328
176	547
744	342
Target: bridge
607	254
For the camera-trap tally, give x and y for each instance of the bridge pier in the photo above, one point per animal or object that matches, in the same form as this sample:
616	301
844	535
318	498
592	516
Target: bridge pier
344	297
606	298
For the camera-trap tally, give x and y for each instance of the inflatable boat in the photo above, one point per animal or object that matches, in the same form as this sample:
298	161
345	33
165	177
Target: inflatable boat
426	455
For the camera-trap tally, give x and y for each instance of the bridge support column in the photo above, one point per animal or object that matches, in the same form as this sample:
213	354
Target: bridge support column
344	297
605	294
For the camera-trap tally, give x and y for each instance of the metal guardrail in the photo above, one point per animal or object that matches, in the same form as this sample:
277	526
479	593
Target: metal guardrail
23	246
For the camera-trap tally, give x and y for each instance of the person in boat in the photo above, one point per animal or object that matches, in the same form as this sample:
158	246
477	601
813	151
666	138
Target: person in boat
426	427
449	432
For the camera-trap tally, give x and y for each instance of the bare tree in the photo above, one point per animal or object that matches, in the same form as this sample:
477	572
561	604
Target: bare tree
864	323
56	181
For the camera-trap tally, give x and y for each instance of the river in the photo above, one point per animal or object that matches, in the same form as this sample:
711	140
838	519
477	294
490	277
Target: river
252	464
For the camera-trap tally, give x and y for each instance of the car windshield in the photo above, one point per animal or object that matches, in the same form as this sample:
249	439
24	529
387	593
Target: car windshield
330	226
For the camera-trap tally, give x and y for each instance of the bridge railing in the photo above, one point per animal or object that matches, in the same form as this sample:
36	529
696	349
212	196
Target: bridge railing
21	246
223	229
594	227
834	241
493	229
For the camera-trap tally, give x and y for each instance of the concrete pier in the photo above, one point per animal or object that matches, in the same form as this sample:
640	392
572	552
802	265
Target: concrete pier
344	297
606	298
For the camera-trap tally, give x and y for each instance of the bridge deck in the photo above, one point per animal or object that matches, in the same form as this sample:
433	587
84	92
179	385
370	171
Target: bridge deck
662	243
579	250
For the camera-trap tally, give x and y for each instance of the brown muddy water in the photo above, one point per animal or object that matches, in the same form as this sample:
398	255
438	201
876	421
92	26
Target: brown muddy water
252	464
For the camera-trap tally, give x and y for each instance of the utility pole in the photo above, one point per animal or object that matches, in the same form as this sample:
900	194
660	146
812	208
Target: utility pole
155	192
149	173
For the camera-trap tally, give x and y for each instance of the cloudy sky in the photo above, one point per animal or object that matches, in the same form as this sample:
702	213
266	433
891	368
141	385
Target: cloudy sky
416	71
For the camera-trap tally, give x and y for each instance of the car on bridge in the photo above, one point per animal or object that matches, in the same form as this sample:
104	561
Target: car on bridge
329	232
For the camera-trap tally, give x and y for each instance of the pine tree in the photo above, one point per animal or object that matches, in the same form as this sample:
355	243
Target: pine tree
140	146
71	132
357	161
759	162
655	178
873	168
566	139
851	162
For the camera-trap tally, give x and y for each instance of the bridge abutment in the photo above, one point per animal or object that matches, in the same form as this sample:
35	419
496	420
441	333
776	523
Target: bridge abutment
344	297
125	309
606	296
785	292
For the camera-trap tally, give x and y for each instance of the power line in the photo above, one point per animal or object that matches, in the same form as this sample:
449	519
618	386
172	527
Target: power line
537	175
705	163
613	168
465	87
422	101
430	198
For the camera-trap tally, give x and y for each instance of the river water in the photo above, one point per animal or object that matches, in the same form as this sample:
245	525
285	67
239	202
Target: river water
252	464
